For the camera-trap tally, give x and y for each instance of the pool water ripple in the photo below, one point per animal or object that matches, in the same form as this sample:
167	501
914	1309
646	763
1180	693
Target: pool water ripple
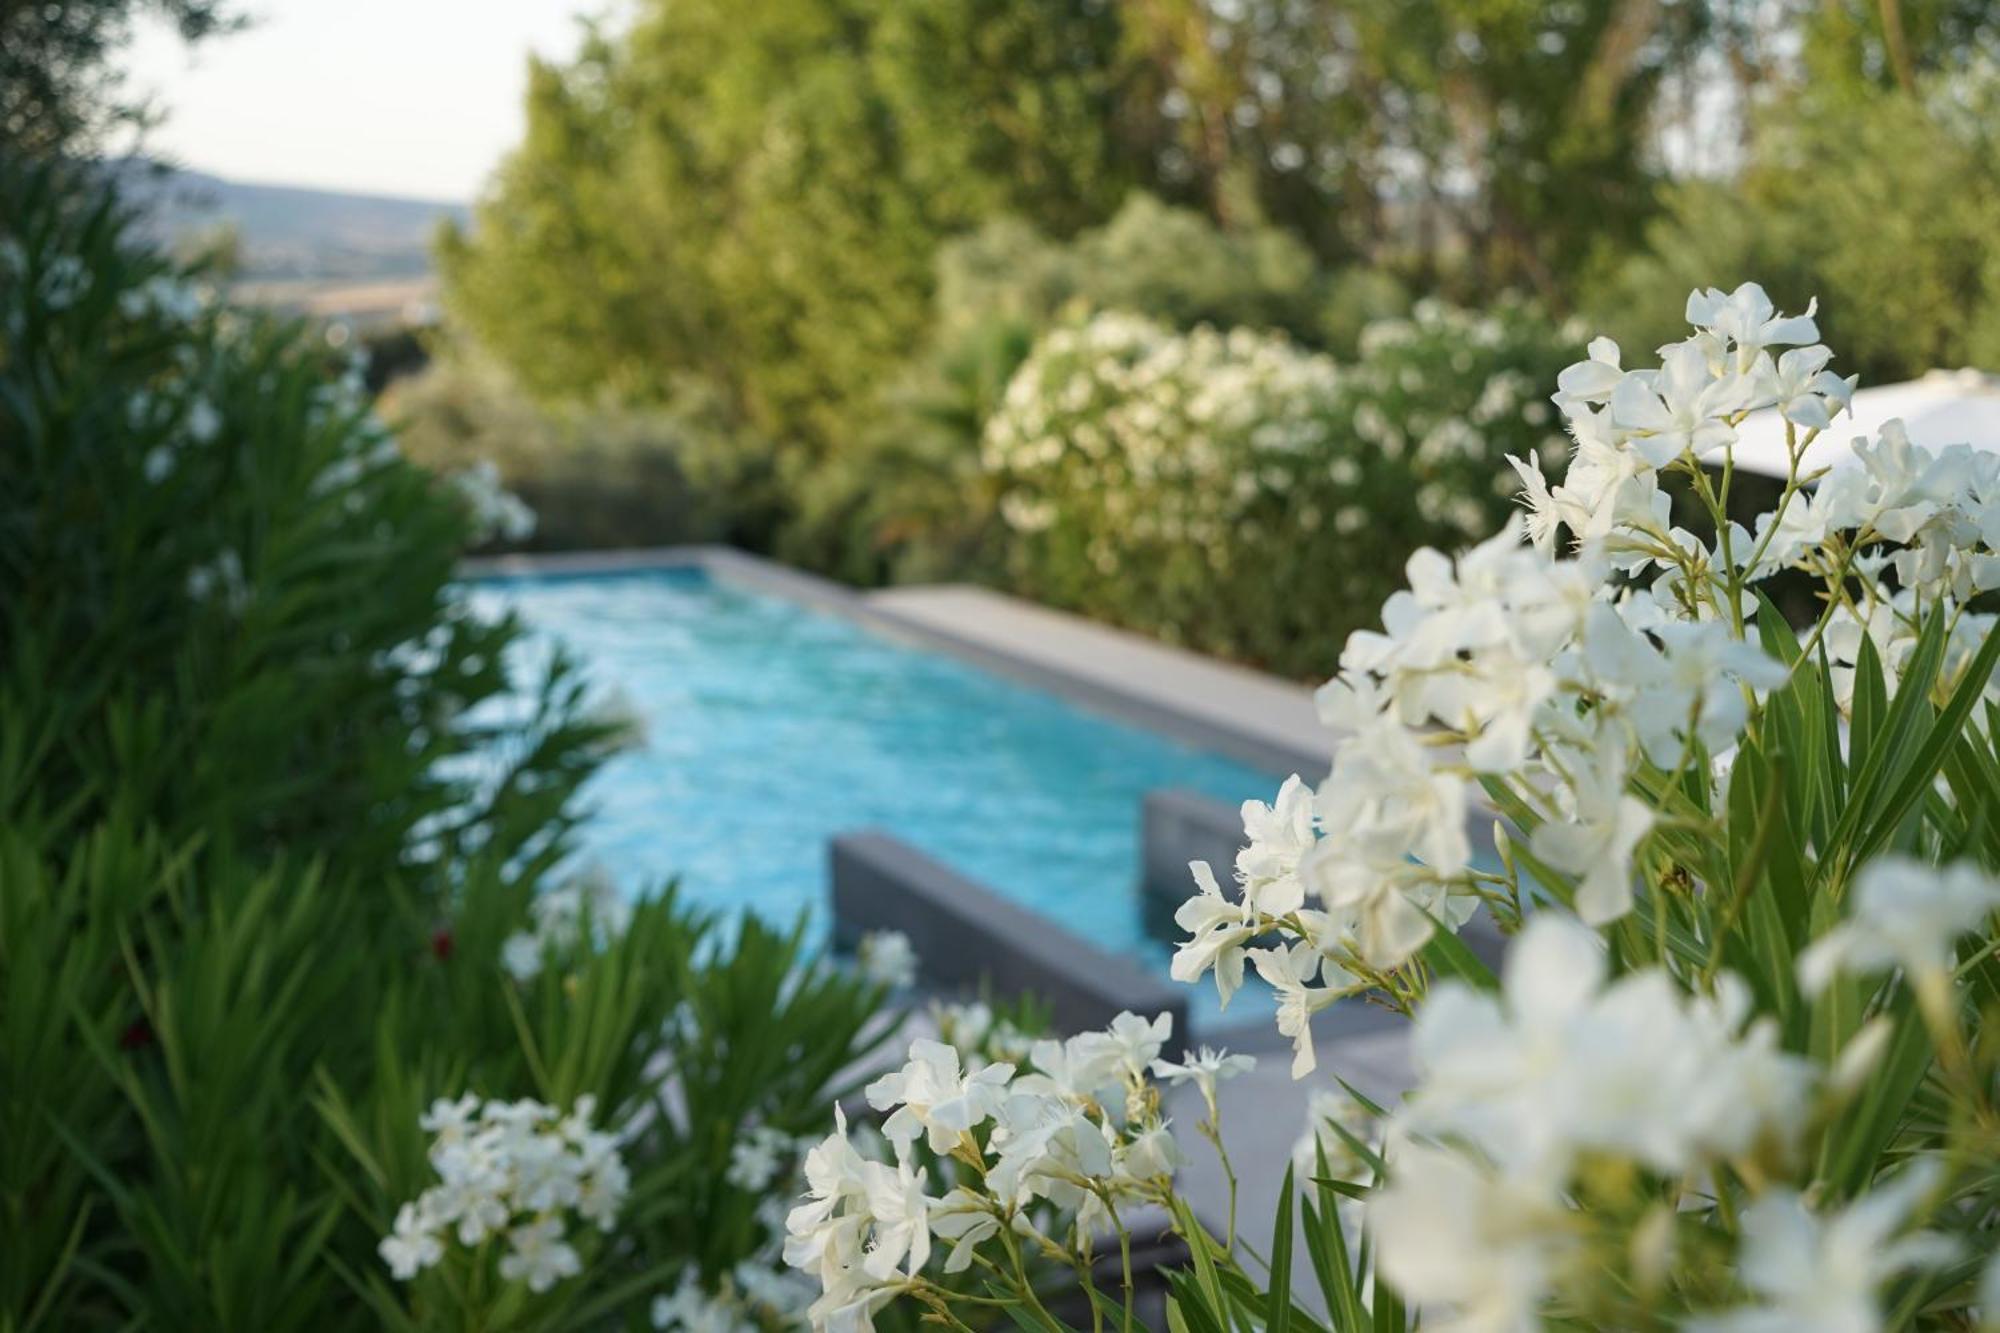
772	726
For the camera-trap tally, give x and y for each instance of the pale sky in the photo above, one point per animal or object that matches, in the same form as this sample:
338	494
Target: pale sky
411	97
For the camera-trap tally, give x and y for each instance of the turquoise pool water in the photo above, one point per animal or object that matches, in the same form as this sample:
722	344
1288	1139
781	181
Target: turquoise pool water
772	726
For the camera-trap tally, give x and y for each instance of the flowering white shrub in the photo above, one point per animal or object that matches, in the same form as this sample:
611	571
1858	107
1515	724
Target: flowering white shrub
512	1170
1733	1076
1449	393
1198	485
1165	427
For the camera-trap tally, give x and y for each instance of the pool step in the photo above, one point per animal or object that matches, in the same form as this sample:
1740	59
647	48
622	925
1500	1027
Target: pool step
967	937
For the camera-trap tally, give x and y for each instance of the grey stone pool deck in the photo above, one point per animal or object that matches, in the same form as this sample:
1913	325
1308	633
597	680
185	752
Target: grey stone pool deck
1249	715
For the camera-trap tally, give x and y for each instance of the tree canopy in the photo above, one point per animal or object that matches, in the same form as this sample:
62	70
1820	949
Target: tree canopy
59	90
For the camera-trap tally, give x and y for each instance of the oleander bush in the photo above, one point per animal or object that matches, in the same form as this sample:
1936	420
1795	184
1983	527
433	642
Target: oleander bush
1738	1072
275	815
1206	486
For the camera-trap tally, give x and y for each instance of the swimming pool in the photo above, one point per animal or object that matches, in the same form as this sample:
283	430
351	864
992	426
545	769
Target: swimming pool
772	726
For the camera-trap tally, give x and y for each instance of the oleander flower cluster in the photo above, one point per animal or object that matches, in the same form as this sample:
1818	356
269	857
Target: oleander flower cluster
496	513
1523	1095
516	1175
994	1166
887	958
1447	393
585	911
1166	431
979	1035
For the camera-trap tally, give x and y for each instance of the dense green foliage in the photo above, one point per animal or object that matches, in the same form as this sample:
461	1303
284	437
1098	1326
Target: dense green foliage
1882	204
755	193
60	89
270	804
594	475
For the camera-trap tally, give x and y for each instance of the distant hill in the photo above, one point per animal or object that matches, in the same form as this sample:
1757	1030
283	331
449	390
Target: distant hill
285	233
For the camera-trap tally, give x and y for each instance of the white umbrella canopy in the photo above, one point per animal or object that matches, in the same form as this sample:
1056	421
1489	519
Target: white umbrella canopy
1940	408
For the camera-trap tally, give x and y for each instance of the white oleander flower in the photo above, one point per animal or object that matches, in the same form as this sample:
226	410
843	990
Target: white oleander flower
585	911
1826	1273
1150	1155
823	1234
1806	392
1129	1046
965	1220
1279	834
1048	1146
495	511
538	1255
1078	1069
1220	932
931	1094
451	1122
1801	528
221	581
1906	914
1607	487
1560	1063
1591	380
521	955
887	959
900	1212
1679	409
1475	1249
756	1157
1747	320
971	1029
1380	904
863	1226
1687	687
1605	826
204	423
1387	789
412	1246
1292	972
1545	512
1204	1068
